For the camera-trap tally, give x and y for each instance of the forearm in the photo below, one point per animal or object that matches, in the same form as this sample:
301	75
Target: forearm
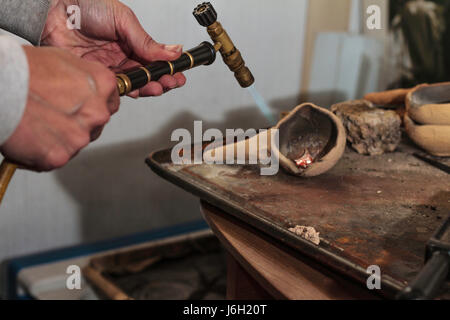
25	18
14	79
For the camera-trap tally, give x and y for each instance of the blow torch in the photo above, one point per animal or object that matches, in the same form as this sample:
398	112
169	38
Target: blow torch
203	54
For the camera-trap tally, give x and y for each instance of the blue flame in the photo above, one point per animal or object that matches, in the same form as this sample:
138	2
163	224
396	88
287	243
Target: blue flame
262	105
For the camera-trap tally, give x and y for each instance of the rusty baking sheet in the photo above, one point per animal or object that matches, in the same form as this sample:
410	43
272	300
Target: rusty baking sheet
377	210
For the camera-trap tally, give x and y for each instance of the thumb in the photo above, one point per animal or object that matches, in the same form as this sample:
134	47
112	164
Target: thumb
153	50
142	45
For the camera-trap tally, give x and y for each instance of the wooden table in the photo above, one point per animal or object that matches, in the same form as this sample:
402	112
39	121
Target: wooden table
262	268
378	210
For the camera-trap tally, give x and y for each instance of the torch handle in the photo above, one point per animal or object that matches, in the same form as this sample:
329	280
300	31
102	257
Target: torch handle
204	54
7	170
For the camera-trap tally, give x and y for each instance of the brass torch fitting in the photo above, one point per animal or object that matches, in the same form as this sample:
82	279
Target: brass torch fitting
230	54
206	16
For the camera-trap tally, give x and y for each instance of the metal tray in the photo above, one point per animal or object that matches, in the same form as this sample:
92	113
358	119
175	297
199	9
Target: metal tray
184	267
369	210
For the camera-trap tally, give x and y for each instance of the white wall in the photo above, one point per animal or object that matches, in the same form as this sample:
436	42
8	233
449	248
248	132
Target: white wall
108	191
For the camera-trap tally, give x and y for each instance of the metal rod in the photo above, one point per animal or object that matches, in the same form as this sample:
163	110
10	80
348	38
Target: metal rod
7	170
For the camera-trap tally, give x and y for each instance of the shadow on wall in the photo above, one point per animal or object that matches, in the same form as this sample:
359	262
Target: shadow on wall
118	194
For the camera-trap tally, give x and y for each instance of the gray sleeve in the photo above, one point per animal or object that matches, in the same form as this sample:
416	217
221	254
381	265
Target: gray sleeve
14	79
25	18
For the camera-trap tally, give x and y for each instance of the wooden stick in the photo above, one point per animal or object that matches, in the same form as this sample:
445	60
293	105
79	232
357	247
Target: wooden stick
396	96
7	170
109	289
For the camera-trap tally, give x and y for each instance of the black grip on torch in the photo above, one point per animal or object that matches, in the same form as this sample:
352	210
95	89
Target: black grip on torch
203	54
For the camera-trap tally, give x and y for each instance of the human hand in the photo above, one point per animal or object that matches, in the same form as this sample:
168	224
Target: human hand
55	127
112	35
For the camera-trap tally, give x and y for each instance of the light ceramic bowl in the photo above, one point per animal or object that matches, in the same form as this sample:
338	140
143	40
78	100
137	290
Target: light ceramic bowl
429	104
435	139
311	141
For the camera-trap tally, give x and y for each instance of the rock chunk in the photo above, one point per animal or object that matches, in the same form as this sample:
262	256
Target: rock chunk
370	130
308	233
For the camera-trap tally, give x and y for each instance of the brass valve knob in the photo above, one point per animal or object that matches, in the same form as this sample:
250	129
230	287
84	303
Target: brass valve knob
206	16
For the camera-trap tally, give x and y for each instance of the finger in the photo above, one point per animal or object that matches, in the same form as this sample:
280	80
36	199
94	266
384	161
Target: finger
168	82
66	138
143	46
96	132
155	51
126	66
93	113
134	94
181	79
113	102
152	89
107	97
32	125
